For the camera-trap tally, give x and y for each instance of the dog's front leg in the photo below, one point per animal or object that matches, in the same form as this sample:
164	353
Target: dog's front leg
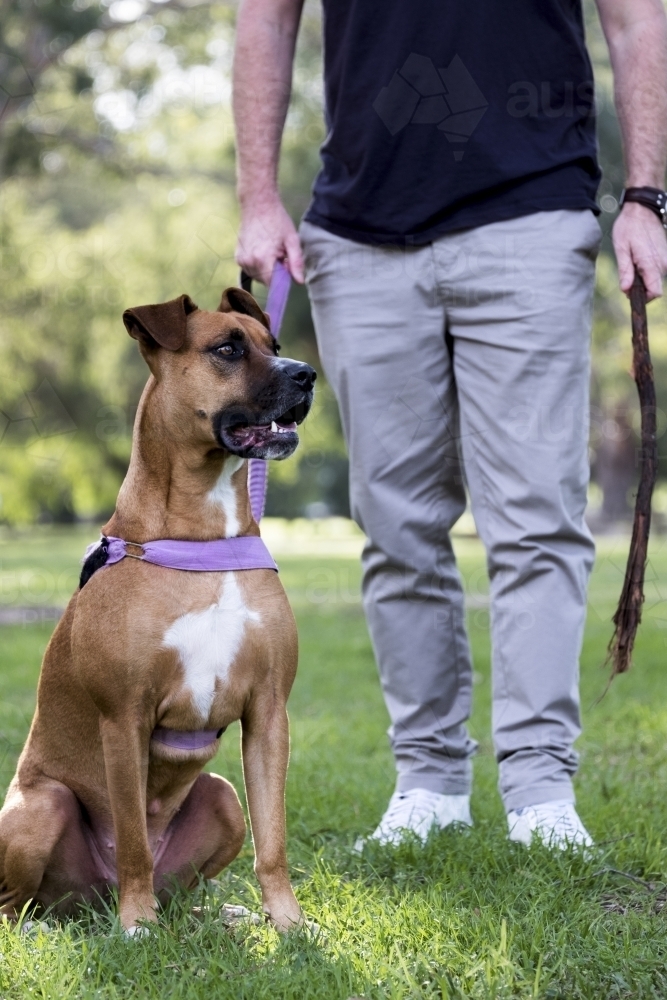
126	765
265	756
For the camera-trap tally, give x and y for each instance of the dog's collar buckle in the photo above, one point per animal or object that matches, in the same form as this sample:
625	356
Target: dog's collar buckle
135	545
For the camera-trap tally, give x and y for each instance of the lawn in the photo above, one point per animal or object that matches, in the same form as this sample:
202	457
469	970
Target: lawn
469	915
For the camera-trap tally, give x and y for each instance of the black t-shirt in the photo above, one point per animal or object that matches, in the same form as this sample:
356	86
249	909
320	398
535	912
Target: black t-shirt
447	114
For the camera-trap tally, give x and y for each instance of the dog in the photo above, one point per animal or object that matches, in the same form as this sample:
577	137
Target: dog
98	800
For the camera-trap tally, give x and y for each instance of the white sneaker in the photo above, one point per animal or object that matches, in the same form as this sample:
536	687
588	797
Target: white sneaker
555	823
417	811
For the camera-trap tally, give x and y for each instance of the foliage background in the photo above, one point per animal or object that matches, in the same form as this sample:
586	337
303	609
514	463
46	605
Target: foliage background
117	167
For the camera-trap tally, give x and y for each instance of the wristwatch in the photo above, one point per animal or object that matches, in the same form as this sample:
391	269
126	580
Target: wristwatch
652	198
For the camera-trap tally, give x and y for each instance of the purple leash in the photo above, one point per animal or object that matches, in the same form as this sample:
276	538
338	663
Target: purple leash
258	470
276	301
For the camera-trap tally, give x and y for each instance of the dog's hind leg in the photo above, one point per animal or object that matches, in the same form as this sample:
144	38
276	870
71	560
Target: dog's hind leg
39	827
203	837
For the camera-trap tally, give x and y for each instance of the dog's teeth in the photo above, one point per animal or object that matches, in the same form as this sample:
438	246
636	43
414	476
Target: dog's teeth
274	427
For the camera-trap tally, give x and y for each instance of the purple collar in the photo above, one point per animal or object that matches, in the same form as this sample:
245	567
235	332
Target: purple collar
220	555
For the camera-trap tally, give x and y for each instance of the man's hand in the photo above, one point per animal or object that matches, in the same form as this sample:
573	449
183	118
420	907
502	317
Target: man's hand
267	234
640	243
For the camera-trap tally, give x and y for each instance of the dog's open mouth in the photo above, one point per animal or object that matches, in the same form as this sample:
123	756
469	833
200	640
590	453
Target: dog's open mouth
275	438
253	435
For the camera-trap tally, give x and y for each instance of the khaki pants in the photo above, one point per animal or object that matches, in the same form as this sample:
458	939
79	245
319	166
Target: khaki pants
466	363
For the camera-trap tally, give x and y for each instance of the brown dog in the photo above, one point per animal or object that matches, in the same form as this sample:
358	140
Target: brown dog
96	800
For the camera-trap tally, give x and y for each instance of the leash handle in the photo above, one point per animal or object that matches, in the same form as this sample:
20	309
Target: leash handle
279	288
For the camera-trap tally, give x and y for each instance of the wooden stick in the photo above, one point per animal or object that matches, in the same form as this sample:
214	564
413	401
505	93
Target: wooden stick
629	611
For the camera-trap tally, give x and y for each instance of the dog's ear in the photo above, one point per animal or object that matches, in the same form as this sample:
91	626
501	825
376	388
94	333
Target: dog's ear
162	325
236	300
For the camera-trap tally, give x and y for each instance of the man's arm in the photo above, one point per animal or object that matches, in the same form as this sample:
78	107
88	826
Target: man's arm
266	33
636	32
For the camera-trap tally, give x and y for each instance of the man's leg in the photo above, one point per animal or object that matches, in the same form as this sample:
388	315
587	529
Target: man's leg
381	335
519	304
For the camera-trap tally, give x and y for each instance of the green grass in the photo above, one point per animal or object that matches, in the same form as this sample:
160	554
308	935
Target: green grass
470	915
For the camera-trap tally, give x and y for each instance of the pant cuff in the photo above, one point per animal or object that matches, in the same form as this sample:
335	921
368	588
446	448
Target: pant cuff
537	794
434	781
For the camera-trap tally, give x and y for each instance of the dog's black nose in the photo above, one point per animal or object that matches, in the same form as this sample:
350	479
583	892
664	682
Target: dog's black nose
302	374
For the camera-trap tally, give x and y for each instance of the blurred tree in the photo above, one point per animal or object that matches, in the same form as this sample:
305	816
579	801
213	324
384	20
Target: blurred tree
116	151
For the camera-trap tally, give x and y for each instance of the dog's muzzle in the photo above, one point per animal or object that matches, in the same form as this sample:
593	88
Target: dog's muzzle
268	429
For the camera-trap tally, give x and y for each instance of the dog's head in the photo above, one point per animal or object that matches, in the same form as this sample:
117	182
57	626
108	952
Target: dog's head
220	376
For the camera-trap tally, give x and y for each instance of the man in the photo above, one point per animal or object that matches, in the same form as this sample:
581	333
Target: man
449	254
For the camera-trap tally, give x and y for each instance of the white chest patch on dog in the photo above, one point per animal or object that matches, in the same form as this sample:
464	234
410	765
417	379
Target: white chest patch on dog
207	642
223	495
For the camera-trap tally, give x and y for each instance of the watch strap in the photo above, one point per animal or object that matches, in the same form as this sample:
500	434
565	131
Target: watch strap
650	197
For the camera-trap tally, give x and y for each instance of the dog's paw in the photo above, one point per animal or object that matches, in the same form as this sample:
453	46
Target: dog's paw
287	923
136	931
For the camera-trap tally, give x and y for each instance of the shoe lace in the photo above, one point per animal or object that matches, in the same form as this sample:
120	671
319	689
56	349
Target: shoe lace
562	819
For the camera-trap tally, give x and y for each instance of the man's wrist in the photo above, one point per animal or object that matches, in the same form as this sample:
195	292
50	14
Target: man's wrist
645	178
258	196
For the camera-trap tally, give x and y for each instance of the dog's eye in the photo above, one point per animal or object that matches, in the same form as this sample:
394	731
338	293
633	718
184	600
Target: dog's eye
228	350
